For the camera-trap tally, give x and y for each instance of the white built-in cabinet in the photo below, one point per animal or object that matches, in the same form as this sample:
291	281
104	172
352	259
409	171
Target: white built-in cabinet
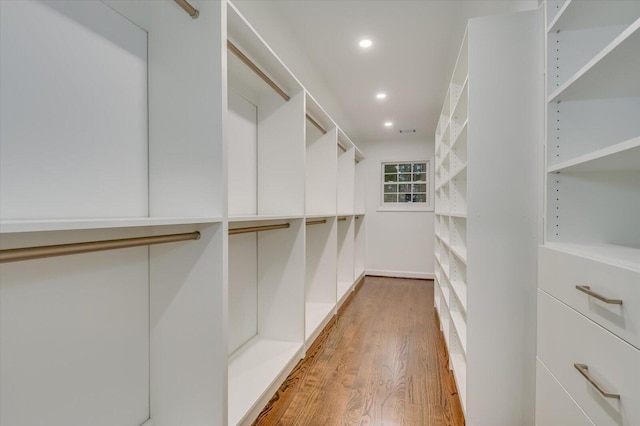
125	119
588	354
485	218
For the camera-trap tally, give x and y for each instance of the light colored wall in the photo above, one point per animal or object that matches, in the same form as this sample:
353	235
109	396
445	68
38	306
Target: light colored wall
398	243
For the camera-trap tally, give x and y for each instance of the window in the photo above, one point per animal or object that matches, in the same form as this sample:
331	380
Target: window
406	185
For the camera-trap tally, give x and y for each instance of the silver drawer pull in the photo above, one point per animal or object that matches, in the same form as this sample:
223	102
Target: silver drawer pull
584	370
586	289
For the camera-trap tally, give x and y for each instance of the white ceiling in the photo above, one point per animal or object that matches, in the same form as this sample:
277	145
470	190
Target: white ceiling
415	45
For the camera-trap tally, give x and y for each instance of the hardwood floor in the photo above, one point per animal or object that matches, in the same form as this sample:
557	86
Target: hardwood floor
381	362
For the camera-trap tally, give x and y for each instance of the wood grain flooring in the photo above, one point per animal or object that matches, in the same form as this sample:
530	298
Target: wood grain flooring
380	362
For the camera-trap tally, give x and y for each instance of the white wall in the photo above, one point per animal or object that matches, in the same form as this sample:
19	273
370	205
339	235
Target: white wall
399	244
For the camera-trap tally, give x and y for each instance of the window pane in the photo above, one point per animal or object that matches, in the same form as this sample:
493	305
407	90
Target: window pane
404	188
419	167
404	168
419	198
419	177
390	198
391	178
390	168
419	187
404	198
405	177
390	188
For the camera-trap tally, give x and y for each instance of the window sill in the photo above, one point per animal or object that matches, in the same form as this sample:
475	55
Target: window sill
404	208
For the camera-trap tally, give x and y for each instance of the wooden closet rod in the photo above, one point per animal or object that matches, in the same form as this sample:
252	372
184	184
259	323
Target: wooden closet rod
29	253
315	123
257	70
257	228
192	11
316	222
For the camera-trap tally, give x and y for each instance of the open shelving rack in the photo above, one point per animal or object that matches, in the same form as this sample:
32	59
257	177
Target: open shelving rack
213	224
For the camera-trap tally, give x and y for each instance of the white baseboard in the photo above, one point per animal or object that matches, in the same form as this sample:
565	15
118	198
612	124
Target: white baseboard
401	274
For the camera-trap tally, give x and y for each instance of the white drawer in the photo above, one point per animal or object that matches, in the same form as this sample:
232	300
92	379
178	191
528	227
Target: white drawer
560	272
565	338
554	406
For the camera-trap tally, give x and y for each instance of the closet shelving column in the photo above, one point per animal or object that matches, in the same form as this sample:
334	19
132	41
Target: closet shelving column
485	232
112	331
321	235
592	226
451	213
360	219
346	205
441	228
266	174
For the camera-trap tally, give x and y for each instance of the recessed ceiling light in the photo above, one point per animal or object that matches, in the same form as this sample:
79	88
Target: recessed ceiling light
381	95
366	43
388	124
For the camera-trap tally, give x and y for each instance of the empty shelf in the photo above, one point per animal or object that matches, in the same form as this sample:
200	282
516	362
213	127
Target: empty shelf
252	371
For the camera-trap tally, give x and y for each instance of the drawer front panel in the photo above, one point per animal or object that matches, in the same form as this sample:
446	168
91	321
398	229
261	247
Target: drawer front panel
554	406
565	338
560	273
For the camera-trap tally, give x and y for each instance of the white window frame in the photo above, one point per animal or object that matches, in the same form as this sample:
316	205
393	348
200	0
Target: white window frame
428	206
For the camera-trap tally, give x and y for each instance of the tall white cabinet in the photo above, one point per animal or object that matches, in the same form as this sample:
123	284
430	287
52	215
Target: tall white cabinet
589	265
485	218
123	119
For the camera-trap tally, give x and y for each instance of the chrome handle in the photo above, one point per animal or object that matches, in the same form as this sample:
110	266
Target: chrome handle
587	290
584	370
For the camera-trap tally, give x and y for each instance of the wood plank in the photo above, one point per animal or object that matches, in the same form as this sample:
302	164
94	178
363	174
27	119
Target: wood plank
381	360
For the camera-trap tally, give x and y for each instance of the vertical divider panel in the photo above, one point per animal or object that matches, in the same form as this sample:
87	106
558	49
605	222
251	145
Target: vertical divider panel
281	155
188	311
501	193
281	277
346	181
187	115
360	246
242	156
243	289
360	184
321	271
345	257
321	165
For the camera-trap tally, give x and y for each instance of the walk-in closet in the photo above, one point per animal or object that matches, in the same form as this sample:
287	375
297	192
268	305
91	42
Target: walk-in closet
249	212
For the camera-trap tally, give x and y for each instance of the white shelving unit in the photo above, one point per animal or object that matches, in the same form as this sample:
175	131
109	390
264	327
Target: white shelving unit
346	175
359	247
346	252
265	132
111	331
321	270
321	165
266	313
485	232
592	206
267	177
360	182
197	332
